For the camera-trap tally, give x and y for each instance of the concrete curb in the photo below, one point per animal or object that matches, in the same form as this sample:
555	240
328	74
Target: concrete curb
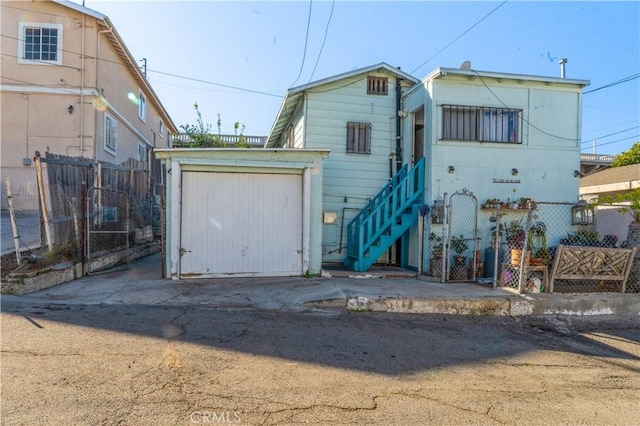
543	304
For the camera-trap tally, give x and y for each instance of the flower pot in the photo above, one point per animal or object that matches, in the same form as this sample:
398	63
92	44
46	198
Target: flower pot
516	256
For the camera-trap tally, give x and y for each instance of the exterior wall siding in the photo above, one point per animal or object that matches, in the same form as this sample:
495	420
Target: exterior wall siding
35	98
350	180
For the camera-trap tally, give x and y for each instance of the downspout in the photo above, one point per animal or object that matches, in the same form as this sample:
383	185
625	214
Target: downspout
84	17
95	110
398	244
398	125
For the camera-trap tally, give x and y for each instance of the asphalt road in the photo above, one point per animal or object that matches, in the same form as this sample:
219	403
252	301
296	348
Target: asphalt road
152	365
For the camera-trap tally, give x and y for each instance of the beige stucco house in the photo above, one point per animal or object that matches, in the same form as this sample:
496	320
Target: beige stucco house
70	86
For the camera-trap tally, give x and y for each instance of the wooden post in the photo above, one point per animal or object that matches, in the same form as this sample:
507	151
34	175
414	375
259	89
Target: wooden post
74	212
14	226
43	200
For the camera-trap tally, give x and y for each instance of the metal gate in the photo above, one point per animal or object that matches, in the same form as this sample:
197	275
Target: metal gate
461	253
108	221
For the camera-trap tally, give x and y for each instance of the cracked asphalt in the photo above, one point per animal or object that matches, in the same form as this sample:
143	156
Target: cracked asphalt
159	365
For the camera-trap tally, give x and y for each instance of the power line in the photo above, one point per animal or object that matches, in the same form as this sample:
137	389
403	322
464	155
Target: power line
306	41
610	134
149	70
523	119
615	83
326	31
617	140
460	36
215	84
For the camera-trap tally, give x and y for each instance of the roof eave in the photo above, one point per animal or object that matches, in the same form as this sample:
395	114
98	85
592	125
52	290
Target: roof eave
444	72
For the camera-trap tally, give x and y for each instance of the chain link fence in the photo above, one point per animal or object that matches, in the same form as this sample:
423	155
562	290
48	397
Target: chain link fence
87	211
26	237
517	246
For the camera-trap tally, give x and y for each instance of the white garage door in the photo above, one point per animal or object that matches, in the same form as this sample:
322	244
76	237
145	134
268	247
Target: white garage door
241	224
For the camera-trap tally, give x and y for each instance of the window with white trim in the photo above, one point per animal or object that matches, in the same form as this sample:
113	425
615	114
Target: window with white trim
110	135
39	43
142	106
358	138
481	124
161	127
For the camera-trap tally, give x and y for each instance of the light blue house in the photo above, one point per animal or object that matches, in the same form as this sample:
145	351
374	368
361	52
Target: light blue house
399	143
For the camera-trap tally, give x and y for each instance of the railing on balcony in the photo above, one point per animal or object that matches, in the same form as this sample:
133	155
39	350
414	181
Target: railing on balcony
182	140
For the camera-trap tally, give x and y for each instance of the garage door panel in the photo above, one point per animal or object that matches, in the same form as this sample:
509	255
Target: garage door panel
241	223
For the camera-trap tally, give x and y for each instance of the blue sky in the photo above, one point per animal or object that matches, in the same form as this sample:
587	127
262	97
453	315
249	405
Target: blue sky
260	47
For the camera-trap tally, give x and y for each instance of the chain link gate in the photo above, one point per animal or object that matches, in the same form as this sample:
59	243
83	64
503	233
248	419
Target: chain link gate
461	254
107	229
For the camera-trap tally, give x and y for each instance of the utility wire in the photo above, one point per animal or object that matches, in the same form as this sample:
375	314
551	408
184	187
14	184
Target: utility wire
610	134
523	119
615	83
149	70
460	36
214	84
617	140
306	41
326	31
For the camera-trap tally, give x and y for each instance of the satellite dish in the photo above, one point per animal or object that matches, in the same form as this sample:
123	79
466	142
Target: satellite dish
466	65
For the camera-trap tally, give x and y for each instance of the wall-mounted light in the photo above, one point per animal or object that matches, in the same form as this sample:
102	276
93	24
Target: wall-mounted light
451	170
576	173
70	109
403	113
514	172
581	214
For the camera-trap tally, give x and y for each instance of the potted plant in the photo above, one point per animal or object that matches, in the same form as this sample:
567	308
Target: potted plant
436	244
435	263
459	269
459	245
515	239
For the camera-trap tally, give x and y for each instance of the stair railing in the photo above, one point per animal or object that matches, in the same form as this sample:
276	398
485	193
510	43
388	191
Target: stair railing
404	190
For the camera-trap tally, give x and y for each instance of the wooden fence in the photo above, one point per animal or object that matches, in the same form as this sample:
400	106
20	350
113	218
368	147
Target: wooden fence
63	188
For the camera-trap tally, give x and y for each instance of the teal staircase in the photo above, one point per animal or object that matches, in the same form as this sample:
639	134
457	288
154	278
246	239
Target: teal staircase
386	218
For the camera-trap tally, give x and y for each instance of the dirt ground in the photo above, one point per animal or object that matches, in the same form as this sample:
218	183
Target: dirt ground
9	264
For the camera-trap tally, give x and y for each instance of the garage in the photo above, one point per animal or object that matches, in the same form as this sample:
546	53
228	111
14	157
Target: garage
242	212
241	223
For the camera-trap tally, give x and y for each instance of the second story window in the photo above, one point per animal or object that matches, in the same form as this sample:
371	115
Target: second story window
481	124
377	85
40	43
161	128
358	138
142	107
110	135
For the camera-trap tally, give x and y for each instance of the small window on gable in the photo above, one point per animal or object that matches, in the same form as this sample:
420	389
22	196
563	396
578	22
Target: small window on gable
110	135
358	138
377	85
40	43
142	107
161	128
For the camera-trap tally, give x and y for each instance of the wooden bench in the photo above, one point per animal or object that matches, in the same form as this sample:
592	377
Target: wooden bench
604	264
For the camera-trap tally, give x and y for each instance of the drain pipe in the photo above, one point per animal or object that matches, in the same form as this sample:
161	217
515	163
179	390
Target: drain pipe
398	124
